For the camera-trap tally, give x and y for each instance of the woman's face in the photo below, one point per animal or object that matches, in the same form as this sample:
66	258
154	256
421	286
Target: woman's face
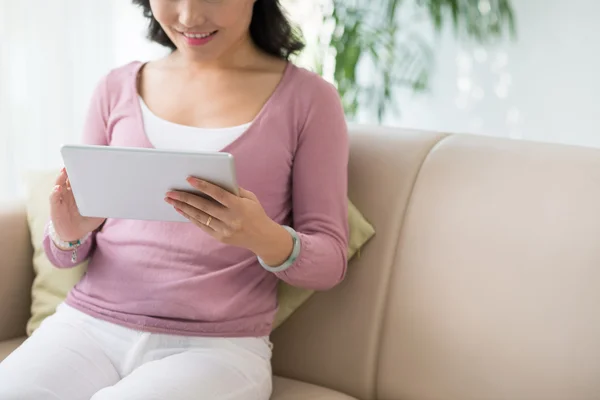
204	29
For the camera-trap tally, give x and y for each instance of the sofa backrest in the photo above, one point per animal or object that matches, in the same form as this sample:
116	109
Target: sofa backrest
483	280
16	271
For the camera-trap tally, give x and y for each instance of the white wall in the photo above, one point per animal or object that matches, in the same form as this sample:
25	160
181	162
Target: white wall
129	35
544	87
51	59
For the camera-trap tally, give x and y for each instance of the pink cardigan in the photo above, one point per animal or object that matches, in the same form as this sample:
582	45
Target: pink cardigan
172	277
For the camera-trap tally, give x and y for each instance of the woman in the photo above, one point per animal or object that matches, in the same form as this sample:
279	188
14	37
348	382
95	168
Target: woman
184	310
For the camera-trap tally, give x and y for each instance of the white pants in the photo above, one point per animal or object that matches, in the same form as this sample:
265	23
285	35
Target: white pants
73	356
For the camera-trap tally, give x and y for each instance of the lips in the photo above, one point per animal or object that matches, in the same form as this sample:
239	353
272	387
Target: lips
198	38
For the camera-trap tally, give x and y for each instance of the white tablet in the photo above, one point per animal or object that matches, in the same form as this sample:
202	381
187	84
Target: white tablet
131	183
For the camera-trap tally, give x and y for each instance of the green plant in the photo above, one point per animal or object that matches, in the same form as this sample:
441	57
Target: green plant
388	38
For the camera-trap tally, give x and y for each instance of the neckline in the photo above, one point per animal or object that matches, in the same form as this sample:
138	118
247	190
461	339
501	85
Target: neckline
287	72
147	111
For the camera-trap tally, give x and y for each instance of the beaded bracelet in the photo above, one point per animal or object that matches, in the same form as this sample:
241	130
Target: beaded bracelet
74	245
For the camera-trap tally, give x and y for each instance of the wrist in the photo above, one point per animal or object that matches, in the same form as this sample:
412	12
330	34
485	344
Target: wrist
276	246
64	244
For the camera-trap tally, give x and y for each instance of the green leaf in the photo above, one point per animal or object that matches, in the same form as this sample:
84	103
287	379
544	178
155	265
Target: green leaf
379	32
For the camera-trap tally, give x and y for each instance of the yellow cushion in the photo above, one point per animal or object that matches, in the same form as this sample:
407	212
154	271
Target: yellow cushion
51	285
290	298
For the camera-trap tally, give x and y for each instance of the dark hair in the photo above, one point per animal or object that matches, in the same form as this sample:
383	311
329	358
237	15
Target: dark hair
270	29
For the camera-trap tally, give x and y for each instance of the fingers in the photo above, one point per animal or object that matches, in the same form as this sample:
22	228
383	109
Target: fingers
56	195
62	188
62	177
246	194
208	207
214	191
199	217
63	180
207	229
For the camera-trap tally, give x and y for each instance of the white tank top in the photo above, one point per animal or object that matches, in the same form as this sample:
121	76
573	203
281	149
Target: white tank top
170	136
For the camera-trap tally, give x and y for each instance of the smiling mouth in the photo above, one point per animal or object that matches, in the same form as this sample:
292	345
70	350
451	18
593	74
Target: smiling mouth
205	35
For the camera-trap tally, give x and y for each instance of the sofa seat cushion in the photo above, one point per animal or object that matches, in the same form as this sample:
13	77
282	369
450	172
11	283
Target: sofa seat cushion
289	389
8	346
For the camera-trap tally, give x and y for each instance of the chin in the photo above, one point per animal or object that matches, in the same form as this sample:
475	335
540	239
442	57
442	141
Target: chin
199	55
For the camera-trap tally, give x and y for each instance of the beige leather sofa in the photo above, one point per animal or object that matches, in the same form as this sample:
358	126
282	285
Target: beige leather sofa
483	282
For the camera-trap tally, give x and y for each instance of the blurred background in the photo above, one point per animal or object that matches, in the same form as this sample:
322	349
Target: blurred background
524	69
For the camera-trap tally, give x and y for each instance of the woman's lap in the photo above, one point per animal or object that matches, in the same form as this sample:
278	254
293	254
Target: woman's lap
59	361
193	376
64	360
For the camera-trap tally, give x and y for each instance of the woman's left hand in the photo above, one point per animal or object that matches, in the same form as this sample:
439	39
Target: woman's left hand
235	220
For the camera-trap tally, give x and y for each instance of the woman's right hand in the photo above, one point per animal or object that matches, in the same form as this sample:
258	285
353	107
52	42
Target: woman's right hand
69	225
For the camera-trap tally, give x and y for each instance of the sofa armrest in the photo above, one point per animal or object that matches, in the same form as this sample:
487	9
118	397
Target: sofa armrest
16	271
